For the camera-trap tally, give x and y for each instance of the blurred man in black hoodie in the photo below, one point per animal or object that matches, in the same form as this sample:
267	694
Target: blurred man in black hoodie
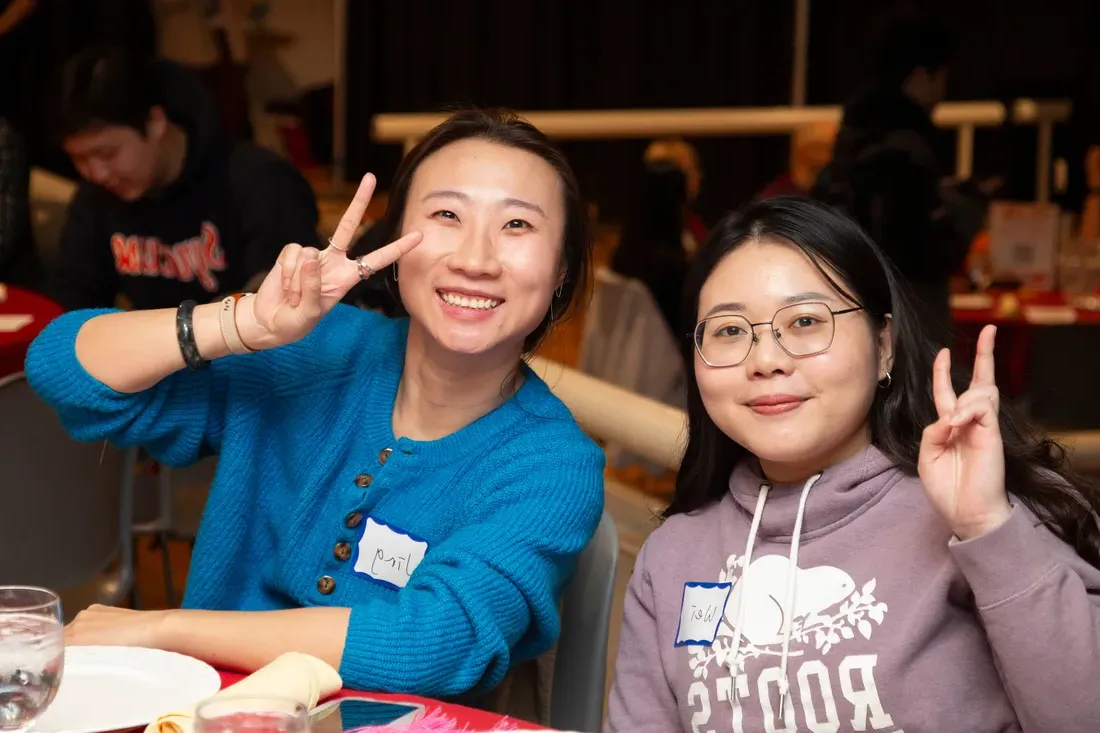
887	173
170	210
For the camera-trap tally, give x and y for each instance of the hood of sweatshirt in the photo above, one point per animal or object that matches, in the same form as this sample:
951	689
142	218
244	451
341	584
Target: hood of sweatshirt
188	104
839	492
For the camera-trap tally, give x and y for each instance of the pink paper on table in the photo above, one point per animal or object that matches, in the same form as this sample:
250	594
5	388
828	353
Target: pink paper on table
438	722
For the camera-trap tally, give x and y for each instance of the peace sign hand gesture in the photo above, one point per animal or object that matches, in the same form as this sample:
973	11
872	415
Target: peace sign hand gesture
306	283
961	463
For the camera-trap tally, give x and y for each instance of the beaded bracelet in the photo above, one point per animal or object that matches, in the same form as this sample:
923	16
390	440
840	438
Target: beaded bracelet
185	335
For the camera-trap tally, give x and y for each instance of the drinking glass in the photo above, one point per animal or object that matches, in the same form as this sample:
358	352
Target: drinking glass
251	715
32	654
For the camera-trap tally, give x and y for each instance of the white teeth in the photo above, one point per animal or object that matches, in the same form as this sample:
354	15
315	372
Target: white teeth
464	302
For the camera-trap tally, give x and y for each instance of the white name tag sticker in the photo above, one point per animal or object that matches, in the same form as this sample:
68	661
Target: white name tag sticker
701	612
387	554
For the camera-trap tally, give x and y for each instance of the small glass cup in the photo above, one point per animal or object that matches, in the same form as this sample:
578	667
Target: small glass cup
251	715
32	654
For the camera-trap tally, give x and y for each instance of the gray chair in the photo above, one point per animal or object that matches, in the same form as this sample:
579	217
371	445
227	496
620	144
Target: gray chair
178	505
580	665
64	505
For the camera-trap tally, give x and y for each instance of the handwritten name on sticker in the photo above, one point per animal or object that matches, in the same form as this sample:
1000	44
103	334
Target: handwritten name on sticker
388	554
701	611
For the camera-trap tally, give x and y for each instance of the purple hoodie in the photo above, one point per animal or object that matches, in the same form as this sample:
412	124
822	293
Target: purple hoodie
888	624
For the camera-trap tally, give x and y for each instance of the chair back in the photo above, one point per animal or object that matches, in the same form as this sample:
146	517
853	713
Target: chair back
64	505
580	664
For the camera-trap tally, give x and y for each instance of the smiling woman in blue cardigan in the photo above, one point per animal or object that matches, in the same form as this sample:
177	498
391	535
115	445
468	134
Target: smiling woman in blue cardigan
402	498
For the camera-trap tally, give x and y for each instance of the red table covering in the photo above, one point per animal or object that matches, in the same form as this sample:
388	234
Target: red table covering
1014	337
13	345
462	718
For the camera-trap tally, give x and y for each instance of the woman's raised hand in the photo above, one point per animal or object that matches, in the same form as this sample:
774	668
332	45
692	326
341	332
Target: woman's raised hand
306	283
962	462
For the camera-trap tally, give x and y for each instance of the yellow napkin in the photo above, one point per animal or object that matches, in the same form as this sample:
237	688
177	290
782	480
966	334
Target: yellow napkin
293	676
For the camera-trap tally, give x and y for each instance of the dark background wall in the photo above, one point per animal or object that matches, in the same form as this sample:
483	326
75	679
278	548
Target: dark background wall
593	54
427	55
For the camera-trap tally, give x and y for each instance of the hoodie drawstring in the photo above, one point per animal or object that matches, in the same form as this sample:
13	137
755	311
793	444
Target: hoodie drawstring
731	660
792	588
792	582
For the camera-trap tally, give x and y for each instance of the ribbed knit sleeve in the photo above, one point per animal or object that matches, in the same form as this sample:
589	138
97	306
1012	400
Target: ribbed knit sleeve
172	420
486	597
183	416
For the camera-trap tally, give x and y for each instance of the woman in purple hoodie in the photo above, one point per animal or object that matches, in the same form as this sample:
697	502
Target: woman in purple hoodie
858	542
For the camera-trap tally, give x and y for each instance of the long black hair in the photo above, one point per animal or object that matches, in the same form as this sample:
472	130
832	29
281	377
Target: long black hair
1036	470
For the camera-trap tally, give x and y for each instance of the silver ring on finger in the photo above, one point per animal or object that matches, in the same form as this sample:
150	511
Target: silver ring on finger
336	246
365	270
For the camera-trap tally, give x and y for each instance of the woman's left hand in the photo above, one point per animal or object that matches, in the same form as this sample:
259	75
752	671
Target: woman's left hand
109	626
962	464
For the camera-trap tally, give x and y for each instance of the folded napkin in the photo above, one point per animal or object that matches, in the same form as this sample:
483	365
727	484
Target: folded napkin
292	676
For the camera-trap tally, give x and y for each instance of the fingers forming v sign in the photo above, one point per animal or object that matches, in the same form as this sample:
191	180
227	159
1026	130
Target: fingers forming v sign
961	460
306	283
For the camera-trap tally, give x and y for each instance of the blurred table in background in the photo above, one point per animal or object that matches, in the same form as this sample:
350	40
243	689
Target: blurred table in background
23	315
1048	351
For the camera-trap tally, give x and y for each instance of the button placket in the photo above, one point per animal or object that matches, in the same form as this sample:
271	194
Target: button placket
342	551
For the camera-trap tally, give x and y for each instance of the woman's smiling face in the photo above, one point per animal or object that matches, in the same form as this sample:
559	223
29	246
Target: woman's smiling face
795	413
493	219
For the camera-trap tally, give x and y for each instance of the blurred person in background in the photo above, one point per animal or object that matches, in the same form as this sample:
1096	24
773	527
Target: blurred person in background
19	264
207	37
170	209
887	173
1082	194
684	156
1085	131
811	150
651	247
1090	213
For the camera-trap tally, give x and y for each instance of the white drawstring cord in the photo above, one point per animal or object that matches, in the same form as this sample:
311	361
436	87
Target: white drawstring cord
792	582
731	659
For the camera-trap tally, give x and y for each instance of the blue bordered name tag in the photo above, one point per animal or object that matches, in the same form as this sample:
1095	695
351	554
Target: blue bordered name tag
701	611
387	554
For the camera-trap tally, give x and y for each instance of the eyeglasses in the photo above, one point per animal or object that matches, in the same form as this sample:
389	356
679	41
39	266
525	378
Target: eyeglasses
803	329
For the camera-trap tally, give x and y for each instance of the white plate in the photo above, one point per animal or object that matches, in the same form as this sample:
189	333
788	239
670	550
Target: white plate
108	688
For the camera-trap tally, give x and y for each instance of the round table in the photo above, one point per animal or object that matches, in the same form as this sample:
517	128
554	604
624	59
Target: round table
463	718
14	344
